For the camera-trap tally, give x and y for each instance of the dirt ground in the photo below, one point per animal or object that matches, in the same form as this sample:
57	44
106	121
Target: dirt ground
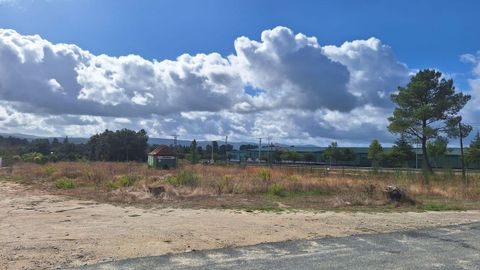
42	231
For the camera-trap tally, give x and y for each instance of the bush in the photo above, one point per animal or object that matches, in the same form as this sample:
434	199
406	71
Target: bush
265	175
112	185
34	157
277	190
227	185
50	170
64	183
186	178
172	180
127	180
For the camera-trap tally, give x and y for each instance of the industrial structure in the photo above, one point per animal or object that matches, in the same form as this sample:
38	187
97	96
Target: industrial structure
316	155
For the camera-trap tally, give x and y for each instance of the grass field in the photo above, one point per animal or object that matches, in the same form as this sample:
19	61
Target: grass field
248	188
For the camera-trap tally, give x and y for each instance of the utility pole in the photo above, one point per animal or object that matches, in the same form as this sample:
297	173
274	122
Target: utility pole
416	154
211	159
226	149
175	150
461	152
270	150
259	149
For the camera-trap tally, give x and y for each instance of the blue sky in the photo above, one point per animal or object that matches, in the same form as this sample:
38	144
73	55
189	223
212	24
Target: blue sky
421	34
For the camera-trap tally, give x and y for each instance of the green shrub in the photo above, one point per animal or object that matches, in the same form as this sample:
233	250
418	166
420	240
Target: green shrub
64	183
186	178
277	190
294	178
127	180
265	175
172	180
183	178
227	185
112	185
34	157
50	170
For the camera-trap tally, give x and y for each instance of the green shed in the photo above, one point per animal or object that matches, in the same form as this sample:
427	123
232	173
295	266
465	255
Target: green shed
162	157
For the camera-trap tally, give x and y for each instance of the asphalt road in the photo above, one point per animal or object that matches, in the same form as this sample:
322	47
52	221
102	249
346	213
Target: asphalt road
453	247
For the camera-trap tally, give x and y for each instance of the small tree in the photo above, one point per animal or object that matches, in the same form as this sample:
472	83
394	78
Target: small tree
375	153
332	153
437	148
402	152
348	155
193	155
425	108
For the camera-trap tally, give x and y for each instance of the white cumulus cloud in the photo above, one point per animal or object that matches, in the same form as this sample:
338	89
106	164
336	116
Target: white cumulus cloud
306	91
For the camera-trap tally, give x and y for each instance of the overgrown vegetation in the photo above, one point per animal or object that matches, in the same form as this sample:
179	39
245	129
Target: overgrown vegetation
64	183
249	187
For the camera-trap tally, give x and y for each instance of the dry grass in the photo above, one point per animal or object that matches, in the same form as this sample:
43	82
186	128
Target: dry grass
245	187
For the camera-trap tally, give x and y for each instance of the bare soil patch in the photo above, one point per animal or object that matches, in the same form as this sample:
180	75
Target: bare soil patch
39	230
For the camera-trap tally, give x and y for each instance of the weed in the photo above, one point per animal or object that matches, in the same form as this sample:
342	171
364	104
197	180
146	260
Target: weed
183	178
50	170
127	180
369	190
64	183
186	178
277	190
172	180
112	185
442	207
265	175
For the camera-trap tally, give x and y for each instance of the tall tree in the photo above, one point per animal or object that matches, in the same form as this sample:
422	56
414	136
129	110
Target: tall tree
121	145
375	152
426	108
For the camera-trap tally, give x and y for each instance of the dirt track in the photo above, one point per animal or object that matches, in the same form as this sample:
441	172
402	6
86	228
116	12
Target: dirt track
41	231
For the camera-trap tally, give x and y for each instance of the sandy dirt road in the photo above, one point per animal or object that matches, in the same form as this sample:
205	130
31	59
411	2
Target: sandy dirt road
42	231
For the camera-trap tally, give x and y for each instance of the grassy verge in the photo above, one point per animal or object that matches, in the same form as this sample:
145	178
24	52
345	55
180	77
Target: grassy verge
247	188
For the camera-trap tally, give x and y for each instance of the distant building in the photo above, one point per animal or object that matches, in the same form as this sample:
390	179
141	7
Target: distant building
162	157
451	159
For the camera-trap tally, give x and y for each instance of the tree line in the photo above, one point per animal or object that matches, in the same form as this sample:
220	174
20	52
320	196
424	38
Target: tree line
120	145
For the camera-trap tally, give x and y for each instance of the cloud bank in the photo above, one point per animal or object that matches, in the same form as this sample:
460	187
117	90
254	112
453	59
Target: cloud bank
286	85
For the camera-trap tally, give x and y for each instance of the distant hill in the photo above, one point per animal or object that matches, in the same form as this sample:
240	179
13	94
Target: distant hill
19	135
33	137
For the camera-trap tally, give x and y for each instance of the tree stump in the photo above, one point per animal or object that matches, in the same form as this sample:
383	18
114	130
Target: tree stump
156	191
397	195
